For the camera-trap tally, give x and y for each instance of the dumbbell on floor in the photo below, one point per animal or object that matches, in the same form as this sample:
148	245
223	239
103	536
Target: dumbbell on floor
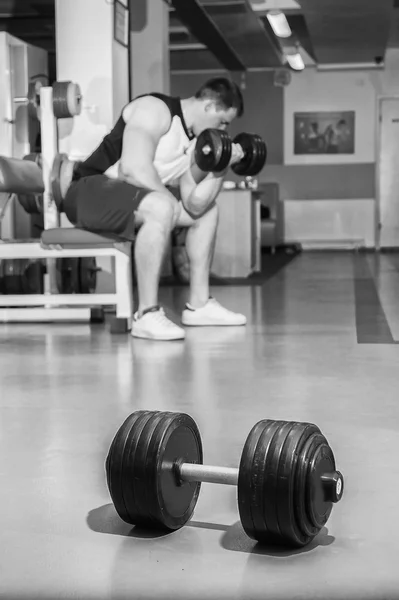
287	481
213	152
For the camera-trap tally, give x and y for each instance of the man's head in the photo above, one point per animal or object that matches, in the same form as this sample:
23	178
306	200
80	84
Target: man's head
218	102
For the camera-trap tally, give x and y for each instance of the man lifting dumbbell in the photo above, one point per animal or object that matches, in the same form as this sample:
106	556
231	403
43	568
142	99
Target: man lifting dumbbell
127	184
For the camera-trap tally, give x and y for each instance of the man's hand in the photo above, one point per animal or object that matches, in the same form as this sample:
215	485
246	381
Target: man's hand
237	154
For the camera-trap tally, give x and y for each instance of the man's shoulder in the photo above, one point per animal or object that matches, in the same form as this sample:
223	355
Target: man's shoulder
171	102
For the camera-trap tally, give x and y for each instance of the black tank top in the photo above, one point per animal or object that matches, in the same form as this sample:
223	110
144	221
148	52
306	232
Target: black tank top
110	149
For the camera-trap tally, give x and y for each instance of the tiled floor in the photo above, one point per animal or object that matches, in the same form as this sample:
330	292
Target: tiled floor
320	345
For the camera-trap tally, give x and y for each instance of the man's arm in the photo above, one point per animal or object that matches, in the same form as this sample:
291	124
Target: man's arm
147	120
196	197
199	189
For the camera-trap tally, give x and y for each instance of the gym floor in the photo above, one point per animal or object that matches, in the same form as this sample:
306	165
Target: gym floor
320	345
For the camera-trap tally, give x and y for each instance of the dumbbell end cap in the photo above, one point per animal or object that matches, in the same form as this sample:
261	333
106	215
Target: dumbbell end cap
333	486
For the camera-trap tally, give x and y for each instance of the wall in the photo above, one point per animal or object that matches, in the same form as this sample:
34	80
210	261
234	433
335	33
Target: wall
263	110
150	68
321	91
90	57
120	71
269	112
325	178
352	177
5	107
18	63
37	64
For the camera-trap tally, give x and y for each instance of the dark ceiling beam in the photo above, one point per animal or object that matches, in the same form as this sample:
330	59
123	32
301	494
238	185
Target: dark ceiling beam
203	28
26	8
245	33
300	30
348	31
273	39
29	25
190	61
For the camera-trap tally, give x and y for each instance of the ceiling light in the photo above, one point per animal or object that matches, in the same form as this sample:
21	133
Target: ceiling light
295	61
279	24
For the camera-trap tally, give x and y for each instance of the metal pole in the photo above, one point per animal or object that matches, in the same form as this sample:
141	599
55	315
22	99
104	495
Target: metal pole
205	473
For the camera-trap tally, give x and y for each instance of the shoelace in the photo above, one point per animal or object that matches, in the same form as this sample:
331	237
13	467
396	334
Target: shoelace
161	318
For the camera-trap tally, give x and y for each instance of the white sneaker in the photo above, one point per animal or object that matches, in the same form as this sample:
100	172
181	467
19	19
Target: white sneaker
212	313
154	325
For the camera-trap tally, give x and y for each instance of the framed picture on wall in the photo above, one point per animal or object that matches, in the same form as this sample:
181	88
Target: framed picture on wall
324	132
121	23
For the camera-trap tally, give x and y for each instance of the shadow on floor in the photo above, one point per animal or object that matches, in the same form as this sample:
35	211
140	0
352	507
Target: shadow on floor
272	264
236	540
105	520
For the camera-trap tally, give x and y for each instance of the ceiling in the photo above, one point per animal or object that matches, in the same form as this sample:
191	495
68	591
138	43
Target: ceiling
235	34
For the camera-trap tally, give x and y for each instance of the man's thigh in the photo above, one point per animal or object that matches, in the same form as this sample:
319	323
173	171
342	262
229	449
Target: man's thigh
104	205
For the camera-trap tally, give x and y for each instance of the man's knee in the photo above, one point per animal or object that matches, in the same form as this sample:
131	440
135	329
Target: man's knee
158	207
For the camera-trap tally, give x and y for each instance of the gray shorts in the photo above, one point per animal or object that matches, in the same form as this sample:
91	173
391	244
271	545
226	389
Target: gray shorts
107	206
103	205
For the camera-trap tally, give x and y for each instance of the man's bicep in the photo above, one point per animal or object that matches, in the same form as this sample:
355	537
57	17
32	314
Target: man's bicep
147	121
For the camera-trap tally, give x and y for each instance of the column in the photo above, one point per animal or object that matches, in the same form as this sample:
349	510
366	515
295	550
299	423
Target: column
149	52
93	53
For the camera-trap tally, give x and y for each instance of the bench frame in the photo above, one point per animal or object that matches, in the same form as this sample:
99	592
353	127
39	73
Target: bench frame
68	307
52	306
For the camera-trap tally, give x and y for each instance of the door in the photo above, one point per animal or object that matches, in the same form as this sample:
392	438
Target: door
388	174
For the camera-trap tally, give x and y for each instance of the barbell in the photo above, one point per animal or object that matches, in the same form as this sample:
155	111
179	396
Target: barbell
287	479
26	276
213	152
60	180
67	99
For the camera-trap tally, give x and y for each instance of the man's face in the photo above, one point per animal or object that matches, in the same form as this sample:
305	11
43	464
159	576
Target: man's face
212	116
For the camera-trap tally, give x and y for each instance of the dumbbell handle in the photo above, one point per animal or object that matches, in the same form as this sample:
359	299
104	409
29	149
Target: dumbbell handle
206	149
332	482
207	474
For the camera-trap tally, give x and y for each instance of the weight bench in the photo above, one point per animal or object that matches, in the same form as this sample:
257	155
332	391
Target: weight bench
22	177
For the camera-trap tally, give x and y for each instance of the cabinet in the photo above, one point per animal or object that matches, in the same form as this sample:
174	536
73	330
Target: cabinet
238	242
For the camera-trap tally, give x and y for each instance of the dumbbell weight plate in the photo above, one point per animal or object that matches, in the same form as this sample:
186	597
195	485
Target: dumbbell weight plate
33	277
13	273
280	493
61	177
114	464
140	469
293	499
87	275
67	275
32	203
255	151
251	481
67	99
34	100
219	145
2	277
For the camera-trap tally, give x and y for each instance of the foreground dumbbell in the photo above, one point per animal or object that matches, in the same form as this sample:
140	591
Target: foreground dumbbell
213	152
287	481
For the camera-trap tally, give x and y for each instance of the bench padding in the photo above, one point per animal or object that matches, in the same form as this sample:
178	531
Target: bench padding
73	237
19	176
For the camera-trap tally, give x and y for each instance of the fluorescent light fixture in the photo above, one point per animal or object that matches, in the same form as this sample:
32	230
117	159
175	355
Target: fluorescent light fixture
295	61
350	66
279	24
265	5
